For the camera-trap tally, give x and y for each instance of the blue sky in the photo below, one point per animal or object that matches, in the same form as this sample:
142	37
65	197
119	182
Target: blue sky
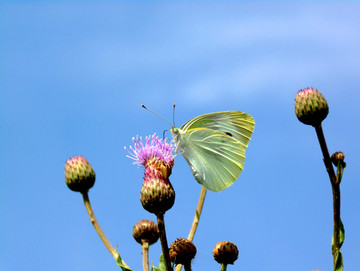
73	76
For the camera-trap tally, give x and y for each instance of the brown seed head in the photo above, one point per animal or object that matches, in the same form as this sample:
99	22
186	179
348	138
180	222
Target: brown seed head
225	252
146	231
182	251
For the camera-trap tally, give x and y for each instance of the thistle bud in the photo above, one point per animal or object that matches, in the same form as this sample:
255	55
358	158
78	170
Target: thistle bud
79	174
338	158
157	194
311	107
225	252
146	231
182	251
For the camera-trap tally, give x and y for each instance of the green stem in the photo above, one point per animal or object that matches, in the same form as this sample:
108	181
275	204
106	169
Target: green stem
98	229
223	267
163	240
196	220
335	190
145	253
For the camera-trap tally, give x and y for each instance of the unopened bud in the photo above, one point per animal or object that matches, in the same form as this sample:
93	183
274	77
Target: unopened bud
311	107
79	174
157	194
338	157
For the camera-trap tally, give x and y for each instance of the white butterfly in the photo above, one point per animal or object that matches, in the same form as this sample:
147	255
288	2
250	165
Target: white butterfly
214	146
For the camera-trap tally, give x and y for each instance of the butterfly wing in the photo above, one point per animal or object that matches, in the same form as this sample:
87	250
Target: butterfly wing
236	124
214	147
215	159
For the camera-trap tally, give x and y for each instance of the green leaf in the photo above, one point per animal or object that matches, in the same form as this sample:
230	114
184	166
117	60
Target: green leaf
338	265
162	266
342	236
120	263
153	268
340	168
342	233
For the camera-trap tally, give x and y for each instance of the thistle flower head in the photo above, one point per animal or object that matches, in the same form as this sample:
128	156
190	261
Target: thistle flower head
146	231
157	194
155	152
79	174
157	156
311	107
225	252
182	251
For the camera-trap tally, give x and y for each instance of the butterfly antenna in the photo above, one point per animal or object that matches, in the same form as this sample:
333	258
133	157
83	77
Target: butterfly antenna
156	114
174	115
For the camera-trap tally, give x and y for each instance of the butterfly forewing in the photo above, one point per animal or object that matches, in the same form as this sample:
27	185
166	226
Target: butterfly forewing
236	124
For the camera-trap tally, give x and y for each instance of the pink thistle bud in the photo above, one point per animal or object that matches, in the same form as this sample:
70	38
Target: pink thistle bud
79	174
157	194
311	107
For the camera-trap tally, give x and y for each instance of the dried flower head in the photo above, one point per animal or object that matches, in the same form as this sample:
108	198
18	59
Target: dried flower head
182	251
311	107
225	252
146	231
79	174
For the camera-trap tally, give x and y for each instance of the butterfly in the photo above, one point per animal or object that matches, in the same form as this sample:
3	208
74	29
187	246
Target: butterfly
214	146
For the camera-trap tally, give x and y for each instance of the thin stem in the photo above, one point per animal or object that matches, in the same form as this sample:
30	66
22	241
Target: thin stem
196	220
98	229
335	190
326	155
336	210
163	240
145	253
197	214
223	267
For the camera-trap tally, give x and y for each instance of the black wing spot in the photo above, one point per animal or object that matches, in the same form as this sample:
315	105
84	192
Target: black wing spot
229	134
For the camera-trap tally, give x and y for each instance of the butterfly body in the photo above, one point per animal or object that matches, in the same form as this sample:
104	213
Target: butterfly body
214	146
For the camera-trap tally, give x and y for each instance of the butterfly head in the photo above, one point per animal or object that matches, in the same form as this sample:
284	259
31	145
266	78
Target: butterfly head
174	132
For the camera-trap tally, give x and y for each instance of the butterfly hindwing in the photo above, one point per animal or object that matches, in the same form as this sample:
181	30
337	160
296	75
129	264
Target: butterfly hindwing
216	159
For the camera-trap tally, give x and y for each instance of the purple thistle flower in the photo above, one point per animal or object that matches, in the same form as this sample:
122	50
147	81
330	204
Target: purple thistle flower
154	150
157	156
